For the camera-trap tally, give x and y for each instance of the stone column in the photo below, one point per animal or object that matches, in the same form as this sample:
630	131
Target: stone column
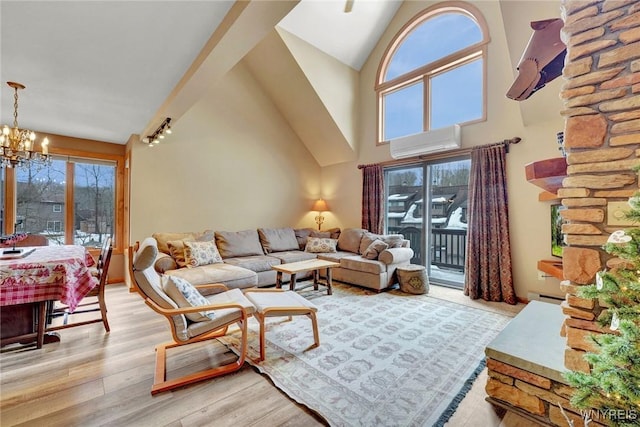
601	97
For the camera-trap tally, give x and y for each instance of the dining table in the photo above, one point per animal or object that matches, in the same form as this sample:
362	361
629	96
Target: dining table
35	277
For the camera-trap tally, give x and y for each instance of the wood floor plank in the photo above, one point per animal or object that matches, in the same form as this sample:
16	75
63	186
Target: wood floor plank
92	378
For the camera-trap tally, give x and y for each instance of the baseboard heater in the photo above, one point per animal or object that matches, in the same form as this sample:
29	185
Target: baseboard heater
532	296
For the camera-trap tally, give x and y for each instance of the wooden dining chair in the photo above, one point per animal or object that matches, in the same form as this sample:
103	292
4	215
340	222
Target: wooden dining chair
33	240
100	275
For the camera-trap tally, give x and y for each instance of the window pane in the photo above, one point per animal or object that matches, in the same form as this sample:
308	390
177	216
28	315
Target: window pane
94	201
435	38
456	96
38	190
403	187
403	111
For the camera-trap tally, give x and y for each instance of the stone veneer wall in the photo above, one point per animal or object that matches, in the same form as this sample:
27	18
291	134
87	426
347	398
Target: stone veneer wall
601	97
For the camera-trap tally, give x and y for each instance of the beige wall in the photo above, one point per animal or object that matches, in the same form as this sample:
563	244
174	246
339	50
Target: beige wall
232	163
529	219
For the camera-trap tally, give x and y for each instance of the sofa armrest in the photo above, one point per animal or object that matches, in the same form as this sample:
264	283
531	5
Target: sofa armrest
395	255
164	263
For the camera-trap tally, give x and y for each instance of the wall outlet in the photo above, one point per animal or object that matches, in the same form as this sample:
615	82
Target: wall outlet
541	275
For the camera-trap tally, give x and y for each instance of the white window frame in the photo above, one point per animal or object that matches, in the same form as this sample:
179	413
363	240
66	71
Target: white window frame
427	72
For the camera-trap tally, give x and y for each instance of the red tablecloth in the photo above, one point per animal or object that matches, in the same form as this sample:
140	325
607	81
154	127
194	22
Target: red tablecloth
49	273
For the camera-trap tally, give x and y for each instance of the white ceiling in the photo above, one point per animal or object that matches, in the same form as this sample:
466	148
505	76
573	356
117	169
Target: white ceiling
102	69
106	70
348	37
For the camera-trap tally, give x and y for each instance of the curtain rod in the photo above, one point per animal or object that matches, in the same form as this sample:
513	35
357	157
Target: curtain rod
442	154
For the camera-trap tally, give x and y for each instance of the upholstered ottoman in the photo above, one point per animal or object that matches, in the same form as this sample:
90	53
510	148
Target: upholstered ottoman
276	303
413	279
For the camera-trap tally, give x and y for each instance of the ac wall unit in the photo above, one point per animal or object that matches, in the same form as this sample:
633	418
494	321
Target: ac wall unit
442	139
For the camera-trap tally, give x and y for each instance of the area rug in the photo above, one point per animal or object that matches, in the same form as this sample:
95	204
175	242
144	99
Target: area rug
387	359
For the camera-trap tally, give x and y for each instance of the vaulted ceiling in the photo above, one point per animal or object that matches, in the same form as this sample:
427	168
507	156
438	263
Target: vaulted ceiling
106	70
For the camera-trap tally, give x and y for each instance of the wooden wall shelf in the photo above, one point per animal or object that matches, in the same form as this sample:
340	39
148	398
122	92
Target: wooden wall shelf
547	174
552	267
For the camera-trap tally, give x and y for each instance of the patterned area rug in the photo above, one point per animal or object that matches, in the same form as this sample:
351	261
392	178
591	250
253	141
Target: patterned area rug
388	359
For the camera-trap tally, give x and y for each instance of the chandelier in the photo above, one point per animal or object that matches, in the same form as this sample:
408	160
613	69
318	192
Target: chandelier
18	145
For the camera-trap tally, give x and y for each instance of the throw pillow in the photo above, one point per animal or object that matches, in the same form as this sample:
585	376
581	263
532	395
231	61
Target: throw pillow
163	238
176	250
318	245
393	240
301	236
374	249
185	295
201	253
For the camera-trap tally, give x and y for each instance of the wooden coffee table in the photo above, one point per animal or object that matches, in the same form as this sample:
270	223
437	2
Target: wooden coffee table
314	265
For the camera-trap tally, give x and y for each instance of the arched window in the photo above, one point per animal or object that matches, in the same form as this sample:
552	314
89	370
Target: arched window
433	72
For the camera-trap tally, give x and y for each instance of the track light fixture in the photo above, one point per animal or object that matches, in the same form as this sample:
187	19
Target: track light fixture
160	133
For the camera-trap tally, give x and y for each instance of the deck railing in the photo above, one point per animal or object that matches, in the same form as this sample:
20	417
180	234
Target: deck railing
448	246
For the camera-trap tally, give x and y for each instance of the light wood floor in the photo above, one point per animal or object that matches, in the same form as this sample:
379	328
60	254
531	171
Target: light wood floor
91	378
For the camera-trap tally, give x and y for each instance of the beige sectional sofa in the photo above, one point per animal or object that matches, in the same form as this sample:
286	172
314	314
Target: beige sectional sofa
246	257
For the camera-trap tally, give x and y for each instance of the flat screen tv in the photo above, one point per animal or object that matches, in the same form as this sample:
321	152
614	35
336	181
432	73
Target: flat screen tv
557	240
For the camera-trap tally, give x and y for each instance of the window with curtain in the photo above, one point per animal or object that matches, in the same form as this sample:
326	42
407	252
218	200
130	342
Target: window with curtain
433	73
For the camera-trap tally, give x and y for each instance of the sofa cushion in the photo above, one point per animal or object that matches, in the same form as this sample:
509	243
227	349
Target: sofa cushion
334	256
164	263
301	236
185	295
201	253
320	245
164	238
255	263
350	238
230	275
393	240
233	244
334	233
277	239
374	249
293	256
356	262
323	234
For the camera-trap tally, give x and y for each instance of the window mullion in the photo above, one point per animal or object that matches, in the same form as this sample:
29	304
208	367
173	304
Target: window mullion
10	201
68	202
426	103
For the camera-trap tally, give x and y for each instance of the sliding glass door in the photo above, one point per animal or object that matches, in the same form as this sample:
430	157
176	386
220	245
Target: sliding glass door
427	203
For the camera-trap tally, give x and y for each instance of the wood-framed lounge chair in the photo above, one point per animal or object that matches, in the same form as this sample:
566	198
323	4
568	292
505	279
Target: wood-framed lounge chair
229	307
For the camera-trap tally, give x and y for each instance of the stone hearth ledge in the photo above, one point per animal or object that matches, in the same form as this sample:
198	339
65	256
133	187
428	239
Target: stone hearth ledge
532	341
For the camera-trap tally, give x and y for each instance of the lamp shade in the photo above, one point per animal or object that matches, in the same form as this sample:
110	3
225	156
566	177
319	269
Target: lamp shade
320	206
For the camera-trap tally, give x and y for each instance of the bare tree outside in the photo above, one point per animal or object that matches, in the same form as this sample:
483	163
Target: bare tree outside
40	200
41	207
94	202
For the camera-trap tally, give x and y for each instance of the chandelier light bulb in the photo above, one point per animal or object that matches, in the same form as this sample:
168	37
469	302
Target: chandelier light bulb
161	136
18	145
